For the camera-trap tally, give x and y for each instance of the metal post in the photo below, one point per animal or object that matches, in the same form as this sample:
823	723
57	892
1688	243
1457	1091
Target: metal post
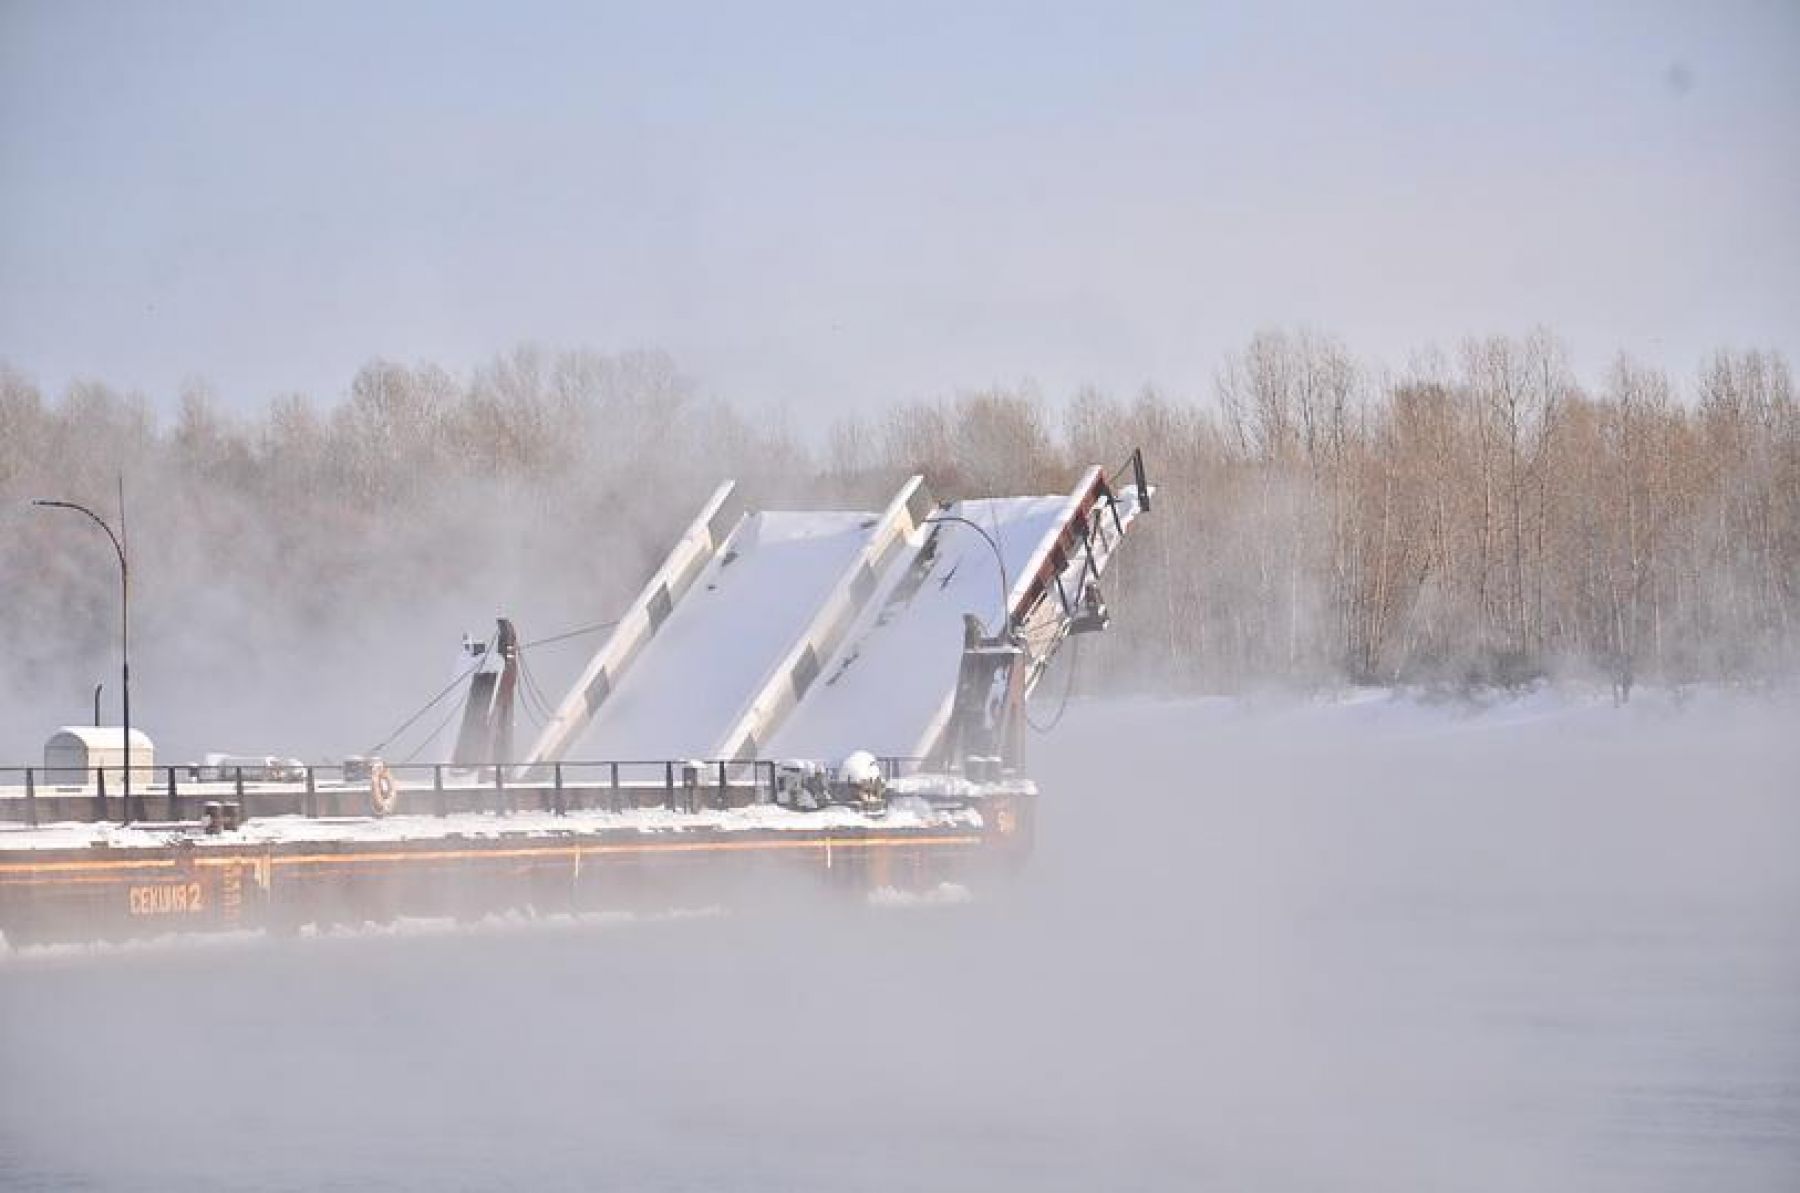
99	793
125	642
503	797
437	787
724	795
312	793
558	805
999	560
616	803
669	785
118	542
30	798
174	805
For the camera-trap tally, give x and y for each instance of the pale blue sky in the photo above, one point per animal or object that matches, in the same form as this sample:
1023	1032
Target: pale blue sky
827	208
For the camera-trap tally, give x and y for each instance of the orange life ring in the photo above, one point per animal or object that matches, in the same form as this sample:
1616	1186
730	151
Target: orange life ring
382	795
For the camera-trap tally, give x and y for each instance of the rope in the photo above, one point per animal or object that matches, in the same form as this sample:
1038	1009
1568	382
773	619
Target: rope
522	696
535	703
1006	600
537	691
1068	690
586	629
432	736
1121	469
476	666
433	702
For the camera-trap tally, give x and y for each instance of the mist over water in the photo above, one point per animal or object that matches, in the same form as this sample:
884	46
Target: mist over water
1369	945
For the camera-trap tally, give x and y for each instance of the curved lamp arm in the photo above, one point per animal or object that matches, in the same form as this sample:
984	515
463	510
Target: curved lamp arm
98	521
1005	585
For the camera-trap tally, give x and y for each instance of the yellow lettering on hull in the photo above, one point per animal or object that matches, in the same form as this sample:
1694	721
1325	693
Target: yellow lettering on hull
166	898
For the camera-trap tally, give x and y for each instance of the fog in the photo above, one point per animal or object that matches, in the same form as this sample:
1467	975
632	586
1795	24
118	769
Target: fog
301	576
1366	943
392	322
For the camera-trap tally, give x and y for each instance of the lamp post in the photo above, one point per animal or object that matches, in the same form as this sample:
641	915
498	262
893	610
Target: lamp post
999	559
124	615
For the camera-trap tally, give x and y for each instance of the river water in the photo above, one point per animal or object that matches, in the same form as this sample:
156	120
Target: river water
1373	944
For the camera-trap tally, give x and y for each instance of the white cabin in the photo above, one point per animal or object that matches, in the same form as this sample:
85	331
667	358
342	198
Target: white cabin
73	752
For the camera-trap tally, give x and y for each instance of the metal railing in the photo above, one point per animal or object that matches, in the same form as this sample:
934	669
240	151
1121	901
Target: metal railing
33	795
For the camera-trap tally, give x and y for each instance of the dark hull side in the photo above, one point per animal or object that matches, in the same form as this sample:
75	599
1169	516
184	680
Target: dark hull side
109	894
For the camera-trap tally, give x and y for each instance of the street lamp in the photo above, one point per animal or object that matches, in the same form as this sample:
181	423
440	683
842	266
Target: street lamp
1005	588
124	614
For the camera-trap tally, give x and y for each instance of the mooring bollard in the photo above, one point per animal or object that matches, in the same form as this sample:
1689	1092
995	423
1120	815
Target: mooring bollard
690	787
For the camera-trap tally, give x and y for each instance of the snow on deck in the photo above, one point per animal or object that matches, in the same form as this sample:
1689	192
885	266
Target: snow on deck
903	813
897	668
726	637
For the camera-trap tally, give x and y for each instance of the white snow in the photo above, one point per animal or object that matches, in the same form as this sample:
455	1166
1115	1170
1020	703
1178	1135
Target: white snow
897	667
718	674
277	830
754	598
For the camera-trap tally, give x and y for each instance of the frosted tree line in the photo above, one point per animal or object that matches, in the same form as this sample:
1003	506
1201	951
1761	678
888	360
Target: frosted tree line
1479	517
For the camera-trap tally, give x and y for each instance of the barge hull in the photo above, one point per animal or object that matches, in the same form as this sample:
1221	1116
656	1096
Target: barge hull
113	894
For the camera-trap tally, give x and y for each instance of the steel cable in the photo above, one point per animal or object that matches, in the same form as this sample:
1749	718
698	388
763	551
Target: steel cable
433	702
1068	690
